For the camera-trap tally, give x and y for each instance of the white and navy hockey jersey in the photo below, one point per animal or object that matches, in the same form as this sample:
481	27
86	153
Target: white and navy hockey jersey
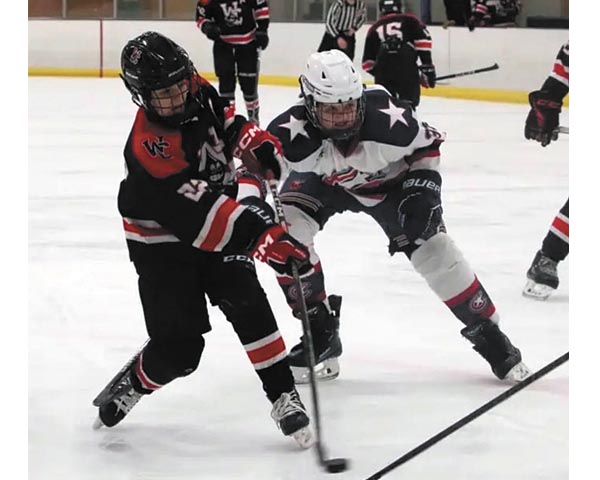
391	142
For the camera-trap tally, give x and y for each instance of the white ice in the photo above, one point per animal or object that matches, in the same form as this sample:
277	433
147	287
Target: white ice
406	371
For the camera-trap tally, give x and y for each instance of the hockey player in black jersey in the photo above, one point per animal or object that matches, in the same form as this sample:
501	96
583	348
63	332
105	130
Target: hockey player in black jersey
348	148
541	125
494	13
239	29
192	229
394	46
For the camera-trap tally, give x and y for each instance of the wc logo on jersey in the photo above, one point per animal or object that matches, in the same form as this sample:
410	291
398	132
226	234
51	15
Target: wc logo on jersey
232	13
157	147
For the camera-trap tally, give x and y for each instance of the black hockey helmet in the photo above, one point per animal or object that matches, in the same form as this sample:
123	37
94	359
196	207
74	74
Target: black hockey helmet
390	6
152	62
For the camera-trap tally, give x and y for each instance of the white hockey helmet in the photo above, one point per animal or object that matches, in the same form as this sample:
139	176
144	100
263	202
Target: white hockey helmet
333	93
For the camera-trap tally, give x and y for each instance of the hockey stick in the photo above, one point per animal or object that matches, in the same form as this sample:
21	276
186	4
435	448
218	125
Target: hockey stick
495	66
332	465
563	130
471	416
106	394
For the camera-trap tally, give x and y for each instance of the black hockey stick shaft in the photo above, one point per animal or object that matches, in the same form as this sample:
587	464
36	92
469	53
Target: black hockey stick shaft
307	331
495	66
470	417
102	397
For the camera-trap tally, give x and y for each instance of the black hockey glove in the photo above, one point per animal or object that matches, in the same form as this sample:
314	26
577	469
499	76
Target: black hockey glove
420	208
542	122
279	249
262	39
260	152
428	76
211	30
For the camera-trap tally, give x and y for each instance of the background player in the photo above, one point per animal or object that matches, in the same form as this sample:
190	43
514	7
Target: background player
239	29
542	126
393	47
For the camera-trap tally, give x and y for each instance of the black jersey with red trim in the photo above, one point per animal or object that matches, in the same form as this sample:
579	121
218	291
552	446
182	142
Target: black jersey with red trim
557	83
181	183
391	142
238	20
393	46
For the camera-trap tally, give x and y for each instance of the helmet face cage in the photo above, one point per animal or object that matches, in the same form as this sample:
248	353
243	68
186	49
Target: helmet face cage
158	73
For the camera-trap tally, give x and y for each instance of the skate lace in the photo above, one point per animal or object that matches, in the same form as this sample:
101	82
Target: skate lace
127	401
286	404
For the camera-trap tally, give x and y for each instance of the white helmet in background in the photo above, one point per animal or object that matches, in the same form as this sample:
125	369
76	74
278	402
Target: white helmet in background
333	94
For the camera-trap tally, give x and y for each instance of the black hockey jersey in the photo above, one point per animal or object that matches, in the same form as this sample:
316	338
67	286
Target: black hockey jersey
557	83
496	12
180	183
238	20
392	47
391	142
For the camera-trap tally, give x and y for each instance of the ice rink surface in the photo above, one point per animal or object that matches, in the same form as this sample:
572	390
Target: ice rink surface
406	371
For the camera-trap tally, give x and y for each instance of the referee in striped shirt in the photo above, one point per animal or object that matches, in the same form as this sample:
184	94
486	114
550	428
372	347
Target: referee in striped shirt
344	18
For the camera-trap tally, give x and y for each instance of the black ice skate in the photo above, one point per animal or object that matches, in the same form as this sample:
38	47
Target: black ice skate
504	358
291	418
325	323
542	277
125	395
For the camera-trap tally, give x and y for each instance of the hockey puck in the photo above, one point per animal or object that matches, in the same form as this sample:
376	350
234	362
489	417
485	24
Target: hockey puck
336	465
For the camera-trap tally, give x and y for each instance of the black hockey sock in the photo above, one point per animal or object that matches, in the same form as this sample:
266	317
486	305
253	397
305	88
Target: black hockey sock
276	379
556	243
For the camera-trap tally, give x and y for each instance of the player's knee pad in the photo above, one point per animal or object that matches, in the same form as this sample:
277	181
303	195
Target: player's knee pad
185	356
442	265
227	85
248	85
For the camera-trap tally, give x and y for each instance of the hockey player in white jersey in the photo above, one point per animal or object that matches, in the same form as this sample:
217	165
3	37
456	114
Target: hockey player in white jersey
351	148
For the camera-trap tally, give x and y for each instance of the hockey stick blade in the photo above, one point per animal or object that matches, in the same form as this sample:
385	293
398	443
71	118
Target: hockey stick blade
563	130
470	417
331	465
495	66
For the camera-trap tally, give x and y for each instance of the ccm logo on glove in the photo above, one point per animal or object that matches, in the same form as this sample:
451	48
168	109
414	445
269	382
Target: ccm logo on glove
260	151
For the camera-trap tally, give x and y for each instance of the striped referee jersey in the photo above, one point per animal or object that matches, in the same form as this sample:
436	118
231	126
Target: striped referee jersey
342	16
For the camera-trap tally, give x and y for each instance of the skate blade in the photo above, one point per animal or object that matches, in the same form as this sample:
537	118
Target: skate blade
304	437
97	425
537	290
518	373
327	370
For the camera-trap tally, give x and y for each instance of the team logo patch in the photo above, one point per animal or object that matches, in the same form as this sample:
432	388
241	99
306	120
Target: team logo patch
135	56
295	185
306	290
478	302
157	147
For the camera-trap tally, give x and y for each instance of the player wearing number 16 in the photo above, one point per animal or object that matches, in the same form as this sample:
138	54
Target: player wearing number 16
354	149
398	53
